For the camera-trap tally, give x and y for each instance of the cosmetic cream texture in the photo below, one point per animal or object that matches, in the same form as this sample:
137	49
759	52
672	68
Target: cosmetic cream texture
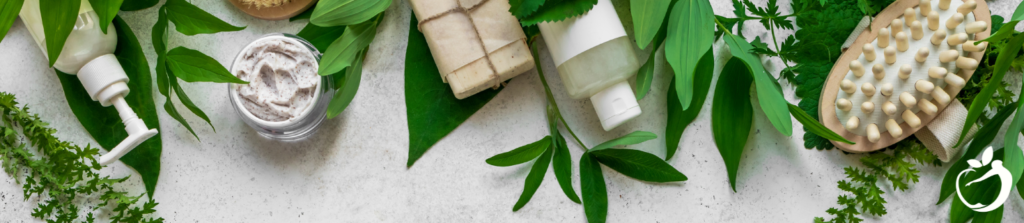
282	78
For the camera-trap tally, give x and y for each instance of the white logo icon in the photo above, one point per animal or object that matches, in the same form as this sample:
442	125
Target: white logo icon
1005	177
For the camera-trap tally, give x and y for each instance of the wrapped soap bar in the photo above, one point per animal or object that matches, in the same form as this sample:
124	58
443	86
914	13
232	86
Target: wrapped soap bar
477	44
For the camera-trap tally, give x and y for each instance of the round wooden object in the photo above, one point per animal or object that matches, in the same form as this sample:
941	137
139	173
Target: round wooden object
827	109
285	11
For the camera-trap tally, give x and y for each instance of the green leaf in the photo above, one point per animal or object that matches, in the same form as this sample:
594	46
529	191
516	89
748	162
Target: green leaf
133	5
814	126
1001	33
982	192
104	124
190	20
645	77
639	165
194	66
732	115
188	102
304	15
679	118
533	180
1018	14
981	101
523	8
321	37
522	154
690	34
982	139
647	18
346	12
173	112
555	11
106	10
347	91
595	195
772	102
628	139
9	10
562	165
994	216
58	22
343	51
1014	161
160	33
431	107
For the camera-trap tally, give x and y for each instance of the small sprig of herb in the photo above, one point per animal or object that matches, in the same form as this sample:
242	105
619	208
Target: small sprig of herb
60	174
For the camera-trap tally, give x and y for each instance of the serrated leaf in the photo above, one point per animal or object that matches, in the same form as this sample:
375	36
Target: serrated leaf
58	22
647	18
133	5
346	12
9	10
678	118
190	20
638	164
982	139
814	126
772	102
595	195
350	86
104	123
555	11
321	37
523	8
431	108
981	100
522	154
690	34
194	66
106	10
732	115
343	51
533	180
628	139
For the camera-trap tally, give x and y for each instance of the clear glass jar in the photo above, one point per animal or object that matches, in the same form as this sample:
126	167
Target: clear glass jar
300	126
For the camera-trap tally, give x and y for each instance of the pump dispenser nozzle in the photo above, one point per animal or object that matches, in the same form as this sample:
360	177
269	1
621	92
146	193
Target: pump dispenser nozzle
104	79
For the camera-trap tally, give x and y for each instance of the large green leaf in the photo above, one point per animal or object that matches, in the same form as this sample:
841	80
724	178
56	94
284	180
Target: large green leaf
1018	14
679	118
732	115
9	10
346	12
981	192
132	5
595	195
523	8
194	66
769	97
983	139
522	154
343	52
533	180
981	100
350	85
190	20
647	18
106	10
431	107
58	21
554	11
1014	161
994	216
814	126
321	37
628	139
638	164
104	124
304	15
690	34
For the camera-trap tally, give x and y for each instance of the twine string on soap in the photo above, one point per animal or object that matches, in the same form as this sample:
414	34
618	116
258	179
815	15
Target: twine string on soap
461	9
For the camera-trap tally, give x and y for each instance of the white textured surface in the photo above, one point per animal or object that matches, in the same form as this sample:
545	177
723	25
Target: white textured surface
353	170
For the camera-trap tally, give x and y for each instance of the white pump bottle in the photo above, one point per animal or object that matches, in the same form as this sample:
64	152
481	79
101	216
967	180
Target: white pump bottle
89	54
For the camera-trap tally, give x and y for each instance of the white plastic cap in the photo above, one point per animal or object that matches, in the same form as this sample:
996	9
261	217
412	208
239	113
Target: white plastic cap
615	105
105	81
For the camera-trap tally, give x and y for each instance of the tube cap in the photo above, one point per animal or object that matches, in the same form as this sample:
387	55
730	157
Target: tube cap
615	105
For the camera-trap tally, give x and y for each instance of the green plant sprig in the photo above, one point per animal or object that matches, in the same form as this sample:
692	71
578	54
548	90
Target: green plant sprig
58	173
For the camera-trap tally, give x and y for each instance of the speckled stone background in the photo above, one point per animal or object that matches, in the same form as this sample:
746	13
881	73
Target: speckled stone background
353	169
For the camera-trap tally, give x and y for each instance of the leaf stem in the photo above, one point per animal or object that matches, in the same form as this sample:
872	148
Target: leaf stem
551	98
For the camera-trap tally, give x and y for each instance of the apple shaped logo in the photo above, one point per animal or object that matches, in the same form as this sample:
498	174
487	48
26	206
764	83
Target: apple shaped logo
1005	177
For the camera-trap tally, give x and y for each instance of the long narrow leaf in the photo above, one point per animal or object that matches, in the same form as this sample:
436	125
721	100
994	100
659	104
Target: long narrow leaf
647	18
1001	67
690	34
1014	161
194	66
562	165
347	12
9	10
522	154
533	180
595	195
343	97
984	137
321	37
678	118
732	115
58	21
133	5
628	139
639	165
769	97
106	10
188	102
343	52
190	20
814	126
